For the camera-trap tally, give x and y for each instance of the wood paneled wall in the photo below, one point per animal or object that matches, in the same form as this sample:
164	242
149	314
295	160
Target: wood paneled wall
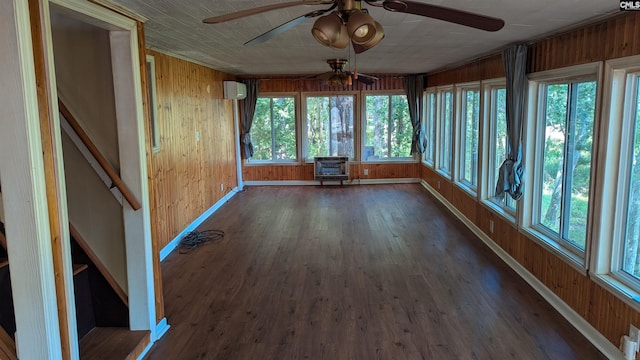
277	172
186	174
613	38
304	172
385	171
279	83
487	68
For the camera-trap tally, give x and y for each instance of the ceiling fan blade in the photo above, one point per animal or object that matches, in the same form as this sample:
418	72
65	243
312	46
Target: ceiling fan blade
261	9
366	80
460	17
286	26
324	76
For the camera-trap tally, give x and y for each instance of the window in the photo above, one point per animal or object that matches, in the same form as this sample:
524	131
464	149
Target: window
329	126
617	249
273	132
153	116
562	157
495	95
387	128
628	253
445	119
469	129
429	123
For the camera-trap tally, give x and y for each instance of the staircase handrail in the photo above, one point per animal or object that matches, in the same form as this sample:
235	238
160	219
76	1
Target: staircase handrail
106	166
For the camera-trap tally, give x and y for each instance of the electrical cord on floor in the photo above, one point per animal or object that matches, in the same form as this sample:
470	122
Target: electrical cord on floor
195	238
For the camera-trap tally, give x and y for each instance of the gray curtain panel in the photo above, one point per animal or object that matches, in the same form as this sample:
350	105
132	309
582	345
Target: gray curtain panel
248	107
511	173
414	86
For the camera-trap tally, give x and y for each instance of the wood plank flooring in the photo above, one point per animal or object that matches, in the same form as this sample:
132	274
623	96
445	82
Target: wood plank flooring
354	272
113	343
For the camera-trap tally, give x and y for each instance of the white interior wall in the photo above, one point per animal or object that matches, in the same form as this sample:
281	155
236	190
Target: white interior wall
94	212
82	54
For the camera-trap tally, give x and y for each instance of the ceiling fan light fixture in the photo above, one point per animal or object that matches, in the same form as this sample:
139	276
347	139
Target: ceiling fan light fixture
328	30
373	41
361	27
343	39
339	79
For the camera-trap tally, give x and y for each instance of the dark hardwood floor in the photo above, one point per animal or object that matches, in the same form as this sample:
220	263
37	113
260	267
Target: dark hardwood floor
353	272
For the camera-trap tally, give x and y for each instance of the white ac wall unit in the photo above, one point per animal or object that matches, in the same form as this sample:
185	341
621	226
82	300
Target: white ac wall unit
235	90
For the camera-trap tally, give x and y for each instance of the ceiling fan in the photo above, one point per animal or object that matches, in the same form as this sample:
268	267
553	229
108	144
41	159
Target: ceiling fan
347	21
338	76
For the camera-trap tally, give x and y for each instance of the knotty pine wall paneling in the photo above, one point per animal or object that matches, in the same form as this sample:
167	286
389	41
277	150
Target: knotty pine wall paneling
386	171
464	202
613	38
277	172
187	174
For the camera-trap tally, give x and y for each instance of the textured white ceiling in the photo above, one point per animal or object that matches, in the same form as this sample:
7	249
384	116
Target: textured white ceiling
412	44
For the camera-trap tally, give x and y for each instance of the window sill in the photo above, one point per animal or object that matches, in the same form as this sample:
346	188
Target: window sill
575	261
468	189
505	213
428	163
629	295
444	174
271	163
391	161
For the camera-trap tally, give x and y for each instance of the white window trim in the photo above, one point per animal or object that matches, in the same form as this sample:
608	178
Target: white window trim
298	121
363	128
533	136
153	105
439	131
430	91
357	119
459	137
604	261
486	188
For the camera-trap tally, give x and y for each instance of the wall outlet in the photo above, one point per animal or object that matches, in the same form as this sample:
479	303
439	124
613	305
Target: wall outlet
491	226
438	184
366	171
634	334
197	135
221	187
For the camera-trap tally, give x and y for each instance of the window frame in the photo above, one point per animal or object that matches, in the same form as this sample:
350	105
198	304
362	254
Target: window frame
357	120
154	130
440	131
429	128
363	127
296	97
534	134
613	166
488	141
459	130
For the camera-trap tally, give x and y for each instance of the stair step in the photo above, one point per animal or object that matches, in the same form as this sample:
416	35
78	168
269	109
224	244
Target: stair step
119	343
85	315
3	263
